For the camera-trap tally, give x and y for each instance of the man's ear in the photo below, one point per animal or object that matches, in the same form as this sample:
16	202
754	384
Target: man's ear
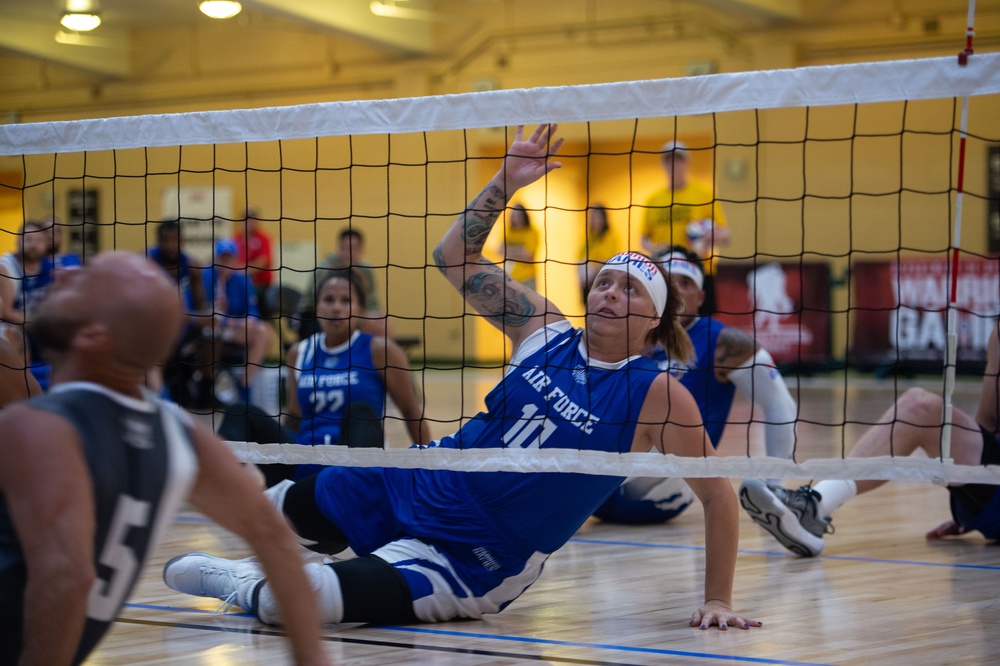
94	336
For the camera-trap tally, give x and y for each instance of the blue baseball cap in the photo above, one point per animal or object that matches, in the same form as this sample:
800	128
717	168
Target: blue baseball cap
225	246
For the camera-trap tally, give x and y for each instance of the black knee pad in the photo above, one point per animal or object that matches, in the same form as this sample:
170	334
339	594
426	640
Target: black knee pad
309	522
374	592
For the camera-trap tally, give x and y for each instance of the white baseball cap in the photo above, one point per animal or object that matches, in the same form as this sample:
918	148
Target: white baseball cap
676	148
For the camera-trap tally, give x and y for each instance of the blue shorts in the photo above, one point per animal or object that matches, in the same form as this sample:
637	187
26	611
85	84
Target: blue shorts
456	562
976	506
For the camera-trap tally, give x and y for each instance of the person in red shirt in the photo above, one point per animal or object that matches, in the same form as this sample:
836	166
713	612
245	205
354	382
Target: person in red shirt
253	248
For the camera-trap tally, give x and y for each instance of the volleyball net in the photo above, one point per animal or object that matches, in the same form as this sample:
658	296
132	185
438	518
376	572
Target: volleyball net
841	185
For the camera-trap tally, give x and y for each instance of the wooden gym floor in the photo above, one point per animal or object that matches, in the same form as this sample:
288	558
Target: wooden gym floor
622	595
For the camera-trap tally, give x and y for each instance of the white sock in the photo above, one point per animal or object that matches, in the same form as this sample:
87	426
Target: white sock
325	586
835	493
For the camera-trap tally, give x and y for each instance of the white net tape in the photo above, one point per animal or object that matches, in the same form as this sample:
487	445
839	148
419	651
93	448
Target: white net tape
867	83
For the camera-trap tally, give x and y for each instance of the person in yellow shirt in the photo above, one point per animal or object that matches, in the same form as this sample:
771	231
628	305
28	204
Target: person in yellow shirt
601	243
520	242
687	213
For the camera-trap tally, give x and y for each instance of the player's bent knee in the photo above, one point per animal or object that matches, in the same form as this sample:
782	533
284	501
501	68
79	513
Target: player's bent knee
373	591
315	531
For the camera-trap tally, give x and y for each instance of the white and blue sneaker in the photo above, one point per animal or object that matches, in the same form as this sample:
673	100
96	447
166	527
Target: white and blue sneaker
791	516
234	582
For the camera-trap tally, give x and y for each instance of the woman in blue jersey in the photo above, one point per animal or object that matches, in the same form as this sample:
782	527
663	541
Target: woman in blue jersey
725	359
340	371
438	545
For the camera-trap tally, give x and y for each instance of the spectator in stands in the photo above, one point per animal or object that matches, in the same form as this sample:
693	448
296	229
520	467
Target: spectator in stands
25	277
242	338
342	371
187	376
799	519
520	244
726	359
350	254
600	244
253	250
686	212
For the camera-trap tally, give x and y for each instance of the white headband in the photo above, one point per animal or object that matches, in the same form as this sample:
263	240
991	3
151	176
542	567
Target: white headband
675	263
641	269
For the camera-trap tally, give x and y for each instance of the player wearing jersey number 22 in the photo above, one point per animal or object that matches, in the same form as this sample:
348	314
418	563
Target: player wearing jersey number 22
439	545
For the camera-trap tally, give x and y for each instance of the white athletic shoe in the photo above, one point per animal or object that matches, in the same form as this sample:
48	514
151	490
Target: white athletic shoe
203	575
791	516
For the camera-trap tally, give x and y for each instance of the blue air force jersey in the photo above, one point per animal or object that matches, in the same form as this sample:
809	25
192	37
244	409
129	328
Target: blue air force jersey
142	462
714	398
331	378
183	278
552	396
29	290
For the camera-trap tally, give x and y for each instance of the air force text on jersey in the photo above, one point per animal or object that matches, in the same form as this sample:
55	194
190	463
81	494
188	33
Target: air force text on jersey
560	402
326	380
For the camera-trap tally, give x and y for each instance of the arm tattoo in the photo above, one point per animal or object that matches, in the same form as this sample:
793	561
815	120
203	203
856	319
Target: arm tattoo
439	259
732	348
480	217
493	293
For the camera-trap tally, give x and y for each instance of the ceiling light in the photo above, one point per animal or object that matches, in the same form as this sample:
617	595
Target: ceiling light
220	9
80	22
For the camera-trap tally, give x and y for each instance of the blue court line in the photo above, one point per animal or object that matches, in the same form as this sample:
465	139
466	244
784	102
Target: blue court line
605	646
522	639
773	553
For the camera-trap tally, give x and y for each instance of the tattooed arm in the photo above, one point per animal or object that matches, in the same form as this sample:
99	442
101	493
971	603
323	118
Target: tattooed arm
733	348
508	305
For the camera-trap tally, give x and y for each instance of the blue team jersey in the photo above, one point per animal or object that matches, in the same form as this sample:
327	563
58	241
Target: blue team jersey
498	527
29	290
714	398
69	260
644	501
328	379
183	278
237	294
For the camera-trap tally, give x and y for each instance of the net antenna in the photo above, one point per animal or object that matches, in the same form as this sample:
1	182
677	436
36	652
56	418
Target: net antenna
951	351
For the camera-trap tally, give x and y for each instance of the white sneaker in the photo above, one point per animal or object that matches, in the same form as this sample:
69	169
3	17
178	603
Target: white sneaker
791	516
203	575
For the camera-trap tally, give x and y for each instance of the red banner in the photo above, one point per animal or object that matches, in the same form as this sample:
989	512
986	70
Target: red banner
784	307
899	310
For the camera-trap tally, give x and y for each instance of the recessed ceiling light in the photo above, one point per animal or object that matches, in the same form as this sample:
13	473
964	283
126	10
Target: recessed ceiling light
220	9
80	22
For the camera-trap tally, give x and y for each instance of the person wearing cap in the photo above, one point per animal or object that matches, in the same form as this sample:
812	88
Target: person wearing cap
242	337
726	360
686	212
253	250
442	544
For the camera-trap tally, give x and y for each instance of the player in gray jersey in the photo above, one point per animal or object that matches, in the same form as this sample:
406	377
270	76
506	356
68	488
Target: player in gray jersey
92	473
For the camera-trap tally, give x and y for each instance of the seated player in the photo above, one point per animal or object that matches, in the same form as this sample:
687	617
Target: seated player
726	359
799	519
441	544
93	472
342	371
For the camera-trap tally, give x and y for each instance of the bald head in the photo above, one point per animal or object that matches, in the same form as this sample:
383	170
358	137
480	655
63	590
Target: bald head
120	295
